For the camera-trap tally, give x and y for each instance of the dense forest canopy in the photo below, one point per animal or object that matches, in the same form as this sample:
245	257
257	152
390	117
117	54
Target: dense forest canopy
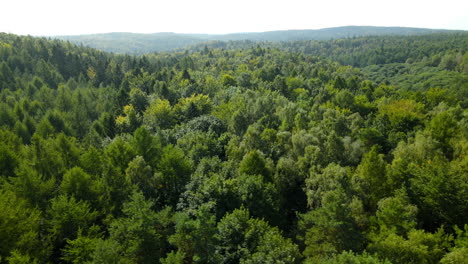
138	44
340	151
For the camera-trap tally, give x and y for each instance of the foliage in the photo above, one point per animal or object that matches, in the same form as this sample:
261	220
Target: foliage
235	152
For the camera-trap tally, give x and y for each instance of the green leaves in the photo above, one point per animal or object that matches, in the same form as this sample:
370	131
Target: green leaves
223	154
227	80
372	172
248	240
419	247
174	171
8	161
81	185
135	233
195	237
254	164
19	225
331	228
159	114
66	216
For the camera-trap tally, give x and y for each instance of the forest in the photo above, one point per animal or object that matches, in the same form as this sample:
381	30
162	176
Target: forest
139	44
350	150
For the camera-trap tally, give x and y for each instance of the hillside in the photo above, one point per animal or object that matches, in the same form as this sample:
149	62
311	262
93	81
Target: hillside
132	43
415	62
237	155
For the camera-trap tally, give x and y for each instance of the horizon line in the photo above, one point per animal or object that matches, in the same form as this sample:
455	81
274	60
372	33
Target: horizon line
229	33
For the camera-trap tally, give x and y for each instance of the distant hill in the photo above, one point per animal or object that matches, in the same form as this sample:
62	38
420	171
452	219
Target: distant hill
133	43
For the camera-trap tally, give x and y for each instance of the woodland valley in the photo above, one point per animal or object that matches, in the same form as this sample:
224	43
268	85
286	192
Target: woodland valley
341	146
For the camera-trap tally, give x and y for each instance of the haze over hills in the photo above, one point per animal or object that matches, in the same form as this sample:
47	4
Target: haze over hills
135	43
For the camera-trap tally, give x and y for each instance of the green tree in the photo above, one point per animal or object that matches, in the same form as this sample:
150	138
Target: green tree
227	80
81	185
66	216
260	197
138	99
418	247
19	226
249	240
193	106
396	214
159	114
317	184
147	145
253	163
133	237
456	256
172	174
119	153
443	128
350	257
331	228
195	237
7	79
372	172
79	250
141	175
8	161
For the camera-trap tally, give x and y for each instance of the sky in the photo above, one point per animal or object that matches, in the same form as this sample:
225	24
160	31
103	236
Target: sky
74	17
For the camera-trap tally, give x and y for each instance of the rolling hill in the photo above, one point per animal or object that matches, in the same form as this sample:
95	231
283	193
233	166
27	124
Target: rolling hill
134	43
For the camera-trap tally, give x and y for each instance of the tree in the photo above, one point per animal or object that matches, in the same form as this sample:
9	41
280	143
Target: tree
92	160
195	237
372	172
227	80
331	228
249	240
457	256
193	106
172	174
458	253
290	183
259	196
147	145
79	250
354	258
141	175
133	237
396	214
66	216
8	161
138	99
159	114
403	114
130	120
443	128
198	144
19	228
253	163
418	247
7	79
107	124
317	184
334	148
438	189
81	185
119	153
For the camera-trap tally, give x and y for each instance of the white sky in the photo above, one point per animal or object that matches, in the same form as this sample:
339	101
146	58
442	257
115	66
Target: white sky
70	17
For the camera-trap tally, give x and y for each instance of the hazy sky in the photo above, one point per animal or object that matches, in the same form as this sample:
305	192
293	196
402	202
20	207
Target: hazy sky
70	17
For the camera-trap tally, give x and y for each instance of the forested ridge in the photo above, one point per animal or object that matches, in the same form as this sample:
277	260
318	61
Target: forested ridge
138	44
235	152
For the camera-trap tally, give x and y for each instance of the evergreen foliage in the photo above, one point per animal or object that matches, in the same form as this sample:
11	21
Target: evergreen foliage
238	154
